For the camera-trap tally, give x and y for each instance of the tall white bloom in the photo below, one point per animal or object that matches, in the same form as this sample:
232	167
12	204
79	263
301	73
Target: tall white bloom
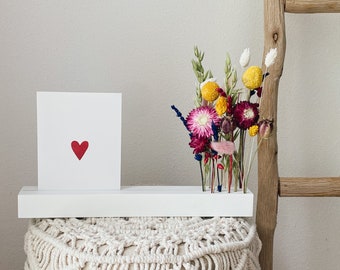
245	57
270	57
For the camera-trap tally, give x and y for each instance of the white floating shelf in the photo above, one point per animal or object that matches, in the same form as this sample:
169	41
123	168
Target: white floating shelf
133	201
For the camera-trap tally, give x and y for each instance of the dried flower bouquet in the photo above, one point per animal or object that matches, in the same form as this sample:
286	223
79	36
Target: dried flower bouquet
221	119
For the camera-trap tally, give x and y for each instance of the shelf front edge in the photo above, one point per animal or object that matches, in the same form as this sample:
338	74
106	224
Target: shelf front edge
133	201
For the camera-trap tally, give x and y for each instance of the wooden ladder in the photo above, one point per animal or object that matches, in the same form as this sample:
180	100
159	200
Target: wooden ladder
270	185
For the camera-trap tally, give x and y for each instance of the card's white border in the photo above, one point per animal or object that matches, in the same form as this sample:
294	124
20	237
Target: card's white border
70	173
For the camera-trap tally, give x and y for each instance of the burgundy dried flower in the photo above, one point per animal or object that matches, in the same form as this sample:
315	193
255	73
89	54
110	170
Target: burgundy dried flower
227	125
199	144
245	114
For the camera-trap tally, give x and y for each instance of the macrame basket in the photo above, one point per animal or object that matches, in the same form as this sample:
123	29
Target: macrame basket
142	243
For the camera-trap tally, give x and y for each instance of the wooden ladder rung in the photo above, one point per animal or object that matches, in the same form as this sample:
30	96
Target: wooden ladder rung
309	187
312	6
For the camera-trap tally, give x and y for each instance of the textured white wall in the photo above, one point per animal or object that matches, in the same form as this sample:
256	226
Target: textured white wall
143	49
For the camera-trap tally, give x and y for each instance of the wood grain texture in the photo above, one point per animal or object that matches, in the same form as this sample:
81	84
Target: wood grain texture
309	187
274	35
312	6
268	177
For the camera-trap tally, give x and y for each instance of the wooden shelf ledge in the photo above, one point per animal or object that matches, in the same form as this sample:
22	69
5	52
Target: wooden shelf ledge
134	201
309	187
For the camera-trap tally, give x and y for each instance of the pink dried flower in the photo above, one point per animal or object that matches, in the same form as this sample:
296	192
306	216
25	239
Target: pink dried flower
265	128
199	121
224	147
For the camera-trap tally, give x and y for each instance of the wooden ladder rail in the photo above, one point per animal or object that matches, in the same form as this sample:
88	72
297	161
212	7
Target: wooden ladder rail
270	185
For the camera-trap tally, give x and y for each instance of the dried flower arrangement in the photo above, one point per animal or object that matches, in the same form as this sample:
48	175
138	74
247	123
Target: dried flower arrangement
219	122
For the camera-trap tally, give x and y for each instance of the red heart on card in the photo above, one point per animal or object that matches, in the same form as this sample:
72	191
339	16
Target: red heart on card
79	149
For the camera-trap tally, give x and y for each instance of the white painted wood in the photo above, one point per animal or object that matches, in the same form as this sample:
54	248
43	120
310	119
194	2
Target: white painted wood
133	201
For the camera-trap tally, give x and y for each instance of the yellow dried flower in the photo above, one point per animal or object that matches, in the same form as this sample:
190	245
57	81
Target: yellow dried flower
221	105
252	77
209	91
253	130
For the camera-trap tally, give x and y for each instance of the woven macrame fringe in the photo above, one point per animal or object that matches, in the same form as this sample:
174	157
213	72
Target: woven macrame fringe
101	244
207	262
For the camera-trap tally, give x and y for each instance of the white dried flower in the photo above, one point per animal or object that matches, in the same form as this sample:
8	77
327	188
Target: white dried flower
270	57
245	57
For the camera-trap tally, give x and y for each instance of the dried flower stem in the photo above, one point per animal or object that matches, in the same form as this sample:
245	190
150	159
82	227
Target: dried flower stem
219	186
212	176
203	179
230	169
236	173
251	161
241	159
230	172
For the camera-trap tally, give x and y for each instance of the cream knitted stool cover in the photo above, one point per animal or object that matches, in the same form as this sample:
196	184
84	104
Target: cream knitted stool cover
142	243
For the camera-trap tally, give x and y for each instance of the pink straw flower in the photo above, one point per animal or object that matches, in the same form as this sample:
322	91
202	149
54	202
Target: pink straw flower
199	121
224	147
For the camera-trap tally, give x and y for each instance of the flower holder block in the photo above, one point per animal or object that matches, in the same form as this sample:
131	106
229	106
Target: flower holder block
134	201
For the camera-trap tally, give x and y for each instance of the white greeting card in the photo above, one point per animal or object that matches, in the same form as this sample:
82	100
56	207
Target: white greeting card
79	140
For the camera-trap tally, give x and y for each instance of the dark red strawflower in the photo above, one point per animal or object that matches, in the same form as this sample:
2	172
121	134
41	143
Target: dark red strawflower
221	92
199	144
245	114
